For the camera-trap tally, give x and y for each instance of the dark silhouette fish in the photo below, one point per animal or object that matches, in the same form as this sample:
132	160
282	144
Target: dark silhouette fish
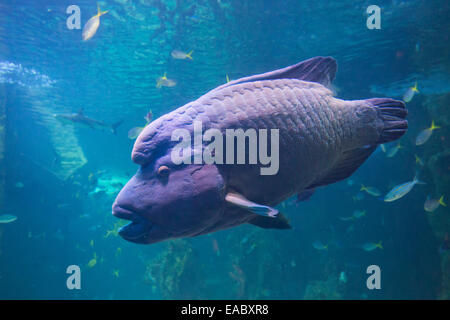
79	117
322	140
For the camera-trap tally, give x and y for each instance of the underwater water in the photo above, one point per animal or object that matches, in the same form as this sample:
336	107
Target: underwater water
59	178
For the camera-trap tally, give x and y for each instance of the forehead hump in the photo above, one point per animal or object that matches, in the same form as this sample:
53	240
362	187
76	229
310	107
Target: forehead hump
155	139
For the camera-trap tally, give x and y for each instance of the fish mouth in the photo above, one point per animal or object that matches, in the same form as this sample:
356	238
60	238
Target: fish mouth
138	230
122	213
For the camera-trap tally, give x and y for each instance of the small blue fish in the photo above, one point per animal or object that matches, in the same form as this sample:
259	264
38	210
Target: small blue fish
7	218
401	190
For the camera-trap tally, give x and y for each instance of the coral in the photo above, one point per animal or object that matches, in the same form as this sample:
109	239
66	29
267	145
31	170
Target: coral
174	271
323	290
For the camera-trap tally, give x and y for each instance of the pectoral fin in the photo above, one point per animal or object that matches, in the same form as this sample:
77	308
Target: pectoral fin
240	201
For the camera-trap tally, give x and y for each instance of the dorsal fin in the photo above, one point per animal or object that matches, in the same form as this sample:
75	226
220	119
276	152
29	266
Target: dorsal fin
319	69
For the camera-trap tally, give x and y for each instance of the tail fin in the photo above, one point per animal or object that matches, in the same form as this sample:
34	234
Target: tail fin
99	12
434	126
393	113
416	179
441	201
115	125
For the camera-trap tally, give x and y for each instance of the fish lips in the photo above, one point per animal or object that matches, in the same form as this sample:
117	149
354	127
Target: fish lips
139	230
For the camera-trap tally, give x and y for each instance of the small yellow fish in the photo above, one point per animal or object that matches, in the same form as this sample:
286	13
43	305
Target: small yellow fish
371	190
177	54
319	245
228	79
93	261
134	132
418	160
109	233
369	246
90	28
115	229
165	82
393	151
356	215
425	134
401	190
409	94
116	273
432	204
91	243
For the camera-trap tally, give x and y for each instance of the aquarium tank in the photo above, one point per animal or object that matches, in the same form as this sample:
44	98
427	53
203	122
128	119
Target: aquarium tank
224	150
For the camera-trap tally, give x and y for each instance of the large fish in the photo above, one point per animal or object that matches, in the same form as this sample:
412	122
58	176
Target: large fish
322	140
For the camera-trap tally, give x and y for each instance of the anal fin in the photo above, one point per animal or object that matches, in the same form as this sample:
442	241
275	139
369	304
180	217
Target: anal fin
349	162
280	222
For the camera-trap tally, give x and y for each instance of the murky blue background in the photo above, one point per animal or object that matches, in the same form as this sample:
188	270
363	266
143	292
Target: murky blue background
60	179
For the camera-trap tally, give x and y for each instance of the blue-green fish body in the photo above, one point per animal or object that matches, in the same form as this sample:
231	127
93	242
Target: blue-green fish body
343	277
319	245
401	190
370	246
7	218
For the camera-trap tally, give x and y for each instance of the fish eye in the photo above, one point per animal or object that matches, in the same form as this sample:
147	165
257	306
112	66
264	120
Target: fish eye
163	171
